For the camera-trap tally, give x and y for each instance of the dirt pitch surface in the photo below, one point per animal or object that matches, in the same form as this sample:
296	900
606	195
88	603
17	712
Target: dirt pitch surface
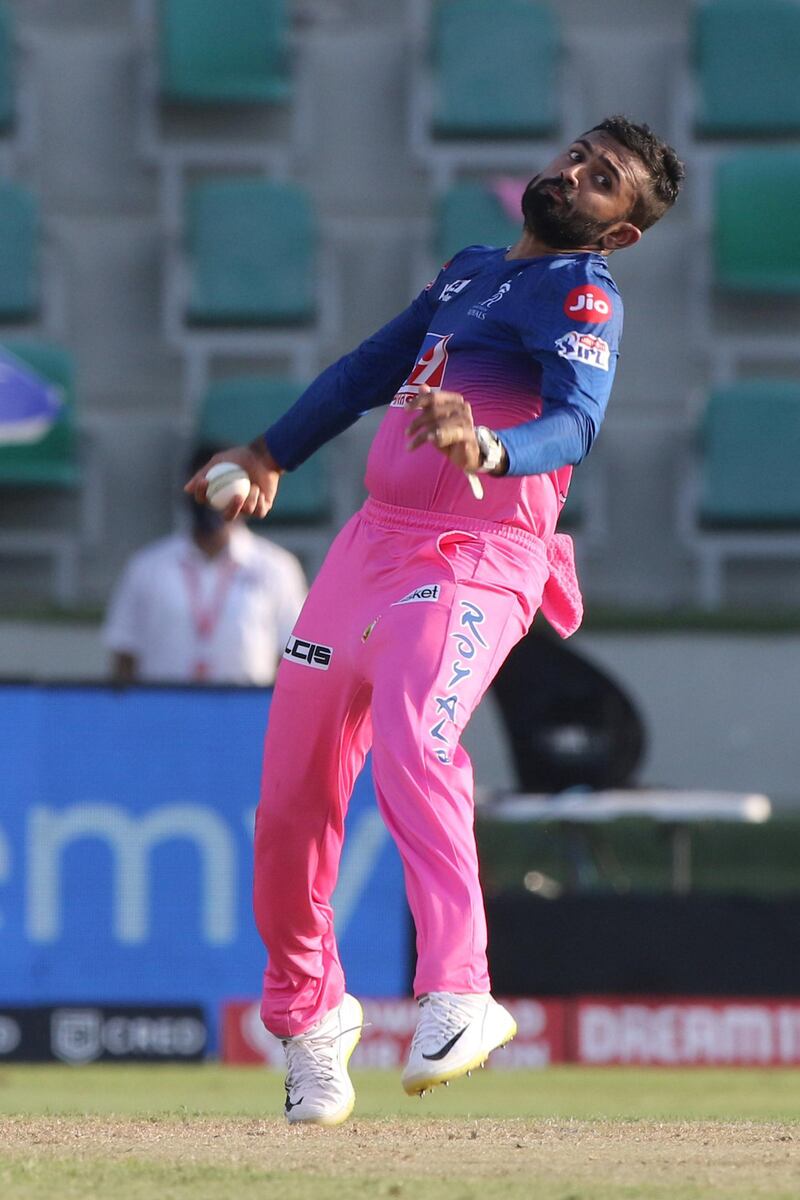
455	1159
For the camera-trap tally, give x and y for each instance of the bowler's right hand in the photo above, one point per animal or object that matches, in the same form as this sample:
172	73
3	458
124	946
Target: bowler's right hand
264	474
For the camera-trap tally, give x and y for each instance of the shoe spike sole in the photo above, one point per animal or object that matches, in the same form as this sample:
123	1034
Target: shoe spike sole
446	1082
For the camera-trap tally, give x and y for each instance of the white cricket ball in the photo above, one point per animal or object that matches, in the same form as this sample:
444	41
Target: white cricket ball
226	481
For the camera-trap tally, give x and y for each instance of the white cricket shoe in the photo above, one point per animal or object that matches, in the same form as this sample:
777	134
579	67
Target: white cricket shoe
318	1088
454	1035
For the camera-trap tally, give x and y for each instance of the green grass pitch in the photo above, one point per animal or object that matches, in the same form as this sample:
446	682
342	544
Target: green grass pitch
209	1132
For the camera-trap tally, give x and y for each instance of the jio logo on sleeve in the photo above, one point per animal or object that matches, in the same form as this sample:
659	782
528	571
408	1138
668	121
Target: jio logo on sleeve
589	304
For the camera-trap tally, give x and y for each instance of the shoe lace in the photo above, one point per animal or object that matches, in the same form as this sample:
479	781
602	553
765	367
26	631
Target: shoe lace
311	1060
441	1017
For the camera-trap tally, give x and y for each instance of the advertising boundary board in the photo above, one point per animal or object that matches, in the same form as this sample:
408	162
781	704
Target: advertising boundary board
588	1030
126	838
685	1031
388	1028
87	1033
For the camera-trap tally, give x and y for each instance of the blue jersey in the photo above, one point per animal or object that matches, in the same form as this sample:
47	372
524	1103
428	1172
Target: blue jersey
531	344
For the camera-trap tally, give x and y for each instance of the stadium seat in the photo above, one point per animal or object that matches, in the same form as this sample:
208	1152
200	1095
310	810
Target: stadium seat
214	92
222	52
486	87
746	55
470	214
494	69
743	499
744	280
250	245
19	254
750	434
53	460
243	280
237	409
756	233
49	463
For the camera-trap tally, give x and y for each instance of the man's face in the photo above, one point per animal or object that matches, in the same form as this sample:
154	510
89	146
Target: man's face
583	193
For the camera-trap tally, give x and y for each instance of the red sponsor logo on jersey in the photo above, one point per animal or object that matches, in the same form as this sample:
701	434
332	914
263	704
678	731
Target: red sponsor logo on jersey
588	303
429	368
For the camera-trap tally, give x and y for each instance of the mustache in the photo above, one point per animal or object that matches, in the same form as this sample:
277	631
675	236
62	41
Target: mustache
563	189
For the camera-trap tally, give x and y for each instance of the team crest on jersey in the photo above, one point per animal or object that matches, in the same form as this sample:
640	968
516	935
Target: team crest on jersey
479	310
585	348
429	368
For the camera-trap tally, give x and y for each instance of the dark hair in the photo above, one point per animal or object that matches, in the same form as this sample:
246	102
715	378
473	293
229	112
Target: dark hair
665	169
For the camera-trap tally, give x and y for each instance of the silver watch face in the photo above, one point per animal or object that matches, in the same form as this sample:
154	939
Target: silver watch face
489	447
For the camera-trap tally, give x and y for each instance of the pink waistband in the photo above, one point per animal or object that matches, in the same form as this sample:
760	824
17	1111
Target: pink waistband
561	602
393	516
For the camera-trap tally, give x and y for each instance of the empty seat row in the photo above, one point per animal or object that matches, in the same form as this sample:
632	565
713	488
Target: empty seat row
490	80
218	52
251	243
486	76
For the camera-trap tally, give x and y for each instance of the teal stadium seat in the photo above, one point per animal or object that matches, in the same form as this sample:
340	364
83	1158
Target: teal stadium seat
494	66
251	247
747	64
742	498
749	476
236	410
756	227
50	463
6	71
224	51
470	214
19	254
53	460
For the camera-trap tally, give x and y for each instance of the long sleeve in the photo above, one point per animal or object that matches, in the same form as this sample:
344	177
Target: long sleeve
578	367
366	378
561	437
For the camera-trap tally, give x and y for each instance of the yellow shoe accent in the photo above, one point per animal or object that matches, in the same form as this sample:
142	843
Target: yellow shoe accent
433	1081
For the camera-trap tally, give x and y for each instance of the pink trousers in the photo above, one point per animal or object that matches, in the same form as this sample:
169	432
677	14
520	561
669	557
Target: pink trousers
404	628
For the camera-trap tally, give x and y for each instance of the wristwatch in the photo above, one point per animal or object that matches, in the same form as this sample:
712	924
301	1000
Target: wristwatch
491	449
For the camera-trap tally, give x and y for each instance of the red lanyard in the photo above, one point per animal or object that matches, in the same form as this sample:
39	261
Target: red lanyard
206	619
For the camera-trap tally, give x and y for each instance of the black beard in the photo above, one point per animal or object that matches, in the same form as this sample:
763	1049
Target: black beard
555	223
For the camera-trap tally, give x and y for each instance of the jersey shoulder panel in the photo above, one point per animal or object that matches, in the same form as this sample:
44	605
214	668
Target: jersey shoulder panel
565	271
579	290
